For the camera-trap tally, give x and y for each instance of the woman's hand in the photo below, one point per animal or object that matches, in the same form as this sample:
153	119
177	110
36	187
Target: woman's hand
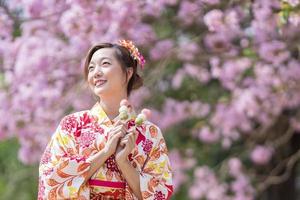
131	174
115	134
127	144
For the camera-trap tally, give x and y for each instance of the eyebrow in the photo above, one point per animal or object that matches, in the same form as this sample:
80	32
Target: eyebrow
99	60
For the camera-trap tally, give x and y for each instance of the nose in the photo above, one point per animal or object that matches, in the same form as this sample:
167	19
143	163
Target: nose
98	72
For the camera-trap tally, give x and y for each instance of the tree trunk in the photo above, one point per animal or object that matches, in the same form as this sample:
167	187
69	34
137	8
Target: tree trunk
287	190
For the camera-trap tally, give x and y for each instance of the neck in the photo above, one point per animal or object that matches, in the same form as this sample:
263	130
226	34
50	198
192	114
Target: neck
111	104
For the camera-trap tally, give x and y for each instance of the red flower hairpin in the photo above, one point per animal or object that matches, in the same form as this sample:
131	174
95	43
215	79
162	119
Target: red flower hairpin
134	52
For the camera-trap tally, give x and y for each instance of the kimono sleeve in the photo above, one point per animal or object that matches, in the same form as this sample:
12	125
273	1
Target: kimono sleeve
156	175
62	171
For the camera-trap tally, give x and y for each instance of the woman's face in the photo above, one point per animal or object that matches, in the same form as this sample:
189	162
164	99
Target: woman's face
105	75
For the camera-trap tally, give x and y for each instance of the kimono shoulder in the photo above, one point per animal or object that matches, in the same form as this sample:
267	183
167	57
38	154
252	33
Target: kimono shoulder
70	123
63	167
152	131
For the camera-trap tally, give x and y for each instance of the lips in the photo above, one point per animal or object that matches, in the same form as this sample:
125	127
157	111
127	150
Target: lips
99	83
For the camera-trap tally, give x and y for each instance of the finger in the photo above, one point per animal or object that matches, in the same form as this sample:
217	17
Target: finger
110	134
133	139
118	135
122	133
122	128
131	129
118	122
132	134
116	130
130	138
125	137
123	142
118	127
130	144
135	135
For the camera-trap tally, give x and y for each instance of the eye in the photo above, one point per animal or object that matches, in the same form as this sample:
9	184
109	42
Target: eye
90	68
105	62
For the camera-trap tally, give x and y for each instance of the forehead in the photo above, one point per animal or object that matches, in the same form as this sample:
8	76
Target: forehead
104	52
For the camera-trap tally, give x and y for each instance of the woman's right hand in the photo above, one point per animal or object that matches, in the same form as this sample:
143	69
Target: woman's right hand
115	134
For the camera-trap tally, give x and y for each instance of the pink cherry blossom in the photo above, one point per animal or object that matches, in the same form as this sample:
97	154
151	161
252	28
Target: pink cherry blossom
235	166
214	20
207	136
189	12
188	50
261	155
161	49
274	52
218	74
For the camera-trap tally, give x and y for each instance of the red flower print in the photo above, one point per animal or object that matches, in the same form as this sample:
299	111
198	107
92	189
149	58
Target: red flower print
147	146
159	196
46	156
130	123
78	158
97	128
85	122
85	119
48	172
41	192
77	132
111	164
86	138
69	123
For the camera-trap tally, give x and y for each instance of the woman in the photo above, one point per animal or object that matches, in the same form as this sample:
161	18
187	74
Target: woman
94	154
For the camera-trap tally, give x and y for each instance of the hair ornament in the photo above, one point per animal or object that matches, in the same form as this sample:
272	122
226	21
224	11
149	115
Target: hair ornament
134	52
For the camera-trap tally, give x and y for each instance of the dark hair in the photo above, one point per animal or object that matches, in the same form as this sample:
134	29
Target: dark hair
125	59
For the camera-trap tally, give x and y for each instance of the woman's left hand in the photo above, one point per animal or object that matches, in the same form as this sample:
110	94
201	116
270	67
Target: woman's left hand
127	144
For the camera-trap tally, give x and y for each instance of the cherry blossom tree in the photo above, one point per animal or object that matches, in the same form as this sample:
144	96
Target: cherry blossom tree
224	79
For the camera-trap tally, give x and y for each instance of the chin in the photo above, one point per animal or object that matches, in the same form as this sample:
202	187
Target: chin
100	91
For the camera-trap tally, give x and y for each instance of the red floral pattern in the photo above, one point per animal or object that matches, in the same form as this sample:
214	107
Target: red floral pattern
85	119
41	191
111	164
48	172
147	146
97	128
69	123
46	157
86	139
64	164
78	158
114	194
159	196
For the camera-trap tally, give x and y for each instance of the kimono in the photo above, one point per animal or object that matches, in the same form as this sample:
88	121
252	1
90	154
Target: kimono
64	164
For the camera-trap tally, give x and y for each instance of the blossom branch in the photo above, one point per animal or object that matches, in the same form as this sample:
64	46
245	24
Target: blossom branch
272	180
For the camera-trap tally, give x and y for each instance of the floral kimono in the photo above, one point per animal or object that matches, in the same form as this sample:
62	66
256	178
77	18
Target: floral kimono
64	164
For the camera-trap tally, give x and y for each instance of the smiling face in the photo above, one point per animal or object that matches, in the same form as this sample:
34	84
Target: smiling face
105	74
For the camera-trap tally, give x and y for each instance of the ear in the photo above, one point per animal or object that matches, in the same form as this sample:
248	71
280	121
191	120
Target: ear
129	72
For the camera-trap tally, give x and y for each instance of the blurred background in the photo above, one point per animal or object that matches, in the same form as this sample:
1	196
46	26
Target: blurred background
221	77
